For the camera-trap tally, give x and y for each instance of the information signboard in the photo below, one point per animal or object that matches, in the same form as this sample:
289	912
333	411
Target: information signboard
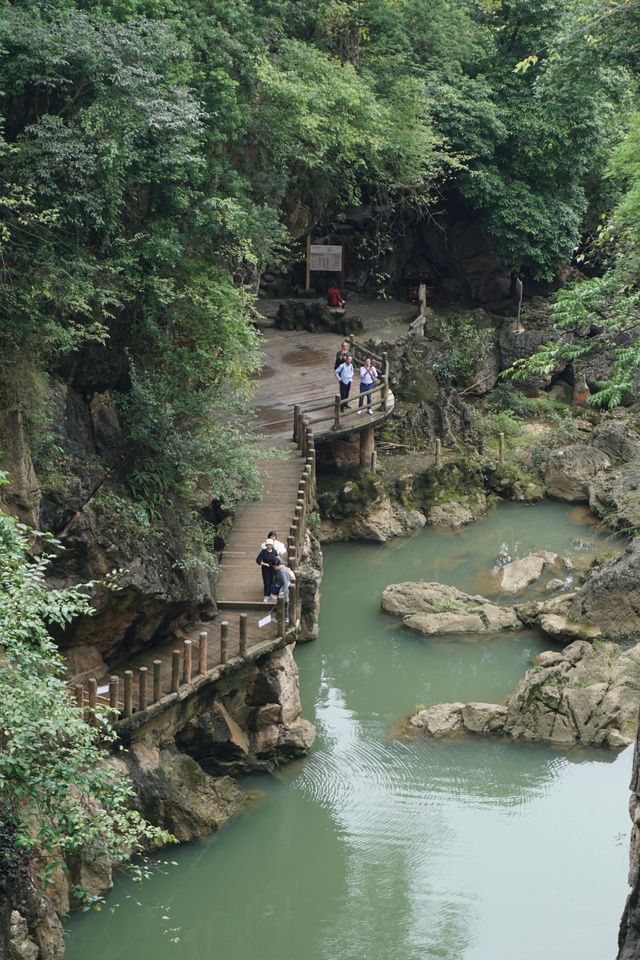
326	257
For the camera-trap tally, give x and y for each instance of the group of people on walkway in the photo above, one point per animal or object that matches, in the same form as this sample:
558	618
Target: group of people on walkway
344	372
276	575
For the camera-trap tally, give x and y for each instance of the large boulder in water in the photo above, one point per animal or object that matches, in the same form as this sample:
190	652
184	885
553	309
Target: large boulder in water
434	608
586	694
518	574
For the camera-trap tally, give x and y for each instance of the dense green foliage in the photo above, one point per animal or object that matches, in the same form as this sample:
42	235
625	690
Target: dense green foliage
57	789
599	316
153	155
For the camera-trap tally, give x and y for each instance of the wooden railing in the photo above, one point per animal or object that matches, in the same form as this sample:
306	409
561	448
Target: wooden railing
135	690
138	689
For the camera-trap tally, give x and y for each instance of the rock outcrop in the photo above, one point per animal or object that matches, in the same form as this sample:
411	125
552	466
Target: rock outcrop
585	695
363	510
176	794
309	577
629	932
569	471
457	513
433	608
609	599
518	574
254	721
615	496
443	719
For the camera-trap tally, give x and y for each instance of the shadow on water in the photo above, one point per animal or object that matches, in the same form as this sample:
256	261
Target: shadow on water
376	849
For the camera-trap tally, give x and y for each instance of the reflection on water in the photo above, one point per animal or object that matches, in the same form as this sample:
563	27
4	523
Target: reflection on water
375	849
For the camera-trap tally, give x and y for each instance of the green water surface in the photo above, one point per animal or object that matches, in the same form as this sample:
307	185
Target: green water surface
376	849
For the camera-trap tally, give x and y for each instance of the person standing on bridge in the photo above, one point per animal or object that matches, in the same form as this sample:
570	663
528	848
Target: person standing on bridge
278	545
342	354
282	577
266	560
367	383
344	376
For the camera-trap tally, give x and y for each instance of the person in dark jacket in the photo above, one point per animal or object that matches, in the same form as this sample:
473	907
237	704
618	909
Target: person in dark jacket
266	560
342	354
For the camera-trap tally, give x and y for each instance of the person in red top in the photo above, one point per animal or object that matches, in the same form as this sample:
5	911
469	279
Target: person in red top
333	297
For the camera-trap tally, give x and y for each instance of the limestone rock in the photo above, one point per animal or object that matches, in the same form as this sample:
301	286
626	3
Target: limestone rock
439	720
49	934
214	738
450	514
585	695
309	577
21	495
21	947
558	618
617	440
568	471
609	599
378	519
615	496
434	608
555	584
519	574
179	796
483	718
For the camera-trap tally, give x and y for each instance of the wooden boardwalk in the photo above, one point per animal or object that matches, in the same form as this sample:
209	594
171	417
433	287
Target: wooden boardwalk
298	372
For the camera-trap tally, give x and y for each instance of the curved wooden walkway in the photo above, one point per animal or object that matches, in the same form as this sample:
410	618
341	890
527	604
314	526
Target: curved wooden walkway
295	408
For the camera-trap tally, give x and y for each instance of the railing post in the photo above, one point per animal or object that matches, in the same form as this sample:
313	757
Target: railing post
501	449
296	424
128	693
385	382
336	412
308	440
293	600
438	452
79	692
175	671
313	472
114	685
202	652
142	688
93	699
157	680
243	634
187	662
280	616
291	545
224	641
302	490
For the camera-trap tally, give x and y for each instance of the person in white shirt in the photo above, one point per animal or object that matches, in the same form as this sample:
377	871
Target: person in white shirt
278	545
344	375
368	377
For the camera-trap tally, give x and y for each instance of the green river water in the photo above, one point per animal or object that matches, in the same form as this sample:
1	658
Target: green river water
375	849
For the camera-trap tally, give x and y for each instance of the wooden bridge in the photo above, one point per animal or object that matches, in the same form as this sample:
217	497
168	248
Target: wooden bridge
295	411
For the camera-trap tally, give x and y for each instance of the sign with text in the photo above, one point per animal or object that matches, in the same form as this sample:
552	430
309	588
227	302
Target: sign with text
326	257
